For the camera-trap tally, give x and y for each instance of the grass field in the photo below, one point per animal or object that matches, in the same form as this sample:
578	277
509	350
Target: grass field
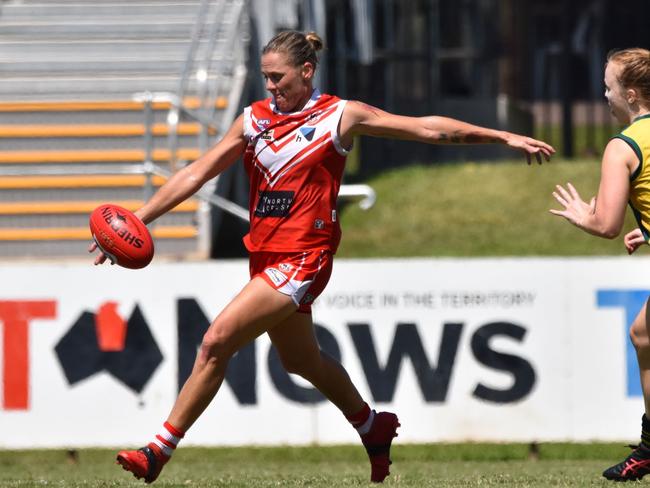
474	209
443	466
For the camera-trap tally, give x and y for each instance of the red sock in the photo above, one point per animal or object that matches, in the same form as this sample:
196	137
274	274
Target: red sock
362	420
168	439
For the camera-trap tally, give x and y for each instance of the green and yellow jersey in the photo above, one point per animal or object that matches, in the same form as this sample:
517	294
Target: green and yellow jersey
637	135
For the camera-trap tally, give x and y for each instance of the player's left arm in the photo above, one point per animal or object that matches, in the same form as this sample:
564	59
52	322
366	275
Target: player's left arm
604	215
362	119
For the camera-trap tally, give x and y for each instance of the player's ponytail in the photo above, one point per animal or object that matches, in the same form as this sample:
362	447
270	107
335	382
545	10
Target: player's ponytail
300	48
315	41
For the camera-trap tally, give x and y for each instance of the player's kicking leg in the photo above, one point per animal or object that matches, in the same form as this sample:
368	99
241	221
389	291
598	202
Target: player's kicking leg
300	354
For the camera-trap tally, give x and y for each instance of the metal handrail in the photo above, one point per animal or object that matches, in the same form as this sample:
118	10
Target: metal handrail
203	194
204	68
233	32
191	52
148	167
367	194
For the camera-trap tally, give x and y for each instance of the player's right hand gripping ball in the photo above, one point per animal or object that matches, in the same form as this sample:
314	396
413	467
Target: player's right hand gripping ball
121	236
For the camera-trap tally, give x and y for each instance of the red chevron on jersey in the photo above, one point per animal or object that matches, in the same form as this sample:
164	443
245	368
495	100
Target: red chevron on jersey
302	155
295	162
272	178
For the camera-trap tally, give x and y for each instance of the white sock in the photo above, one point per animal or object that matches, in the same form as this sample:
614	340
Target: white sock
168	439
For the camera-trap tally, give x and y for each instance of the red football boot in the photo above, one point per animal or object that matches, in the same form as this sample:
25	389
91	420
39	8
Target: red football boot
377	443
146	462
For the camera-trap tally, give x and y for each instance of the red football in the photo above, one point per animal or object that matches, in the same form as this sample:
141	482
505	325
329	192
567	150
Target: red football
122	236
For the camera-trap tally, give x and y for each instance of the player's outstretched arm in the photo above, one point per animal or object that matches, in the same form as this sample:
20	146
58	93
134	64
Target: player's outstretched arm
362	119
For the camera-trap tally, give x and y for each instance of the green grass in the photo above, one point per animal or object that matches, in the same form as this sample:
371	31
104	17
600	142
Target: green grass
474	209
441	465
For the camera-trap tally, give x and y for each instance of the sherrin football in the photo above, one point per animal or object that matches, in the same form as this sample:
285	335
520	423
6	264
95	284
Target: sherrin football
121	236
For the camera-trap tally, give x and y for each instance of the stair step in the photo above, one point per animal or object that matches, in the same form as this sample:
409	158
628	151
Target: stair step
94	130
191	103
80	207
83	233
29	9
77	181
94	156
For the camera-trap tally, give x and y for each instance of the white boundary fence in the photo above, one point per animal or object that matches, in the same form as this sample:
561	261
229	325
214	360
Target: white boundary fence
475	349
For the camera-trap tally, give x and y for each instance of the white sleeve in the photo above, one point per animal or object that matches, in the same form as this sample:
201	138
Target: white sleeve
249	132
336	140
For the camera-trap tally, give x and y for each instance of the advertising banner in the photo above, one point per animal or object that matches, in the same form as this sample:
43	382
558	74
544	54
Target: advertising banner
461	349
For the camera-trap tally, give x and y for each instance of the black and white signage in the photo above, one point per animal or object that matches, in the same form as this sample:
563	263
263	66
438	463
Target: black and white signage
485	350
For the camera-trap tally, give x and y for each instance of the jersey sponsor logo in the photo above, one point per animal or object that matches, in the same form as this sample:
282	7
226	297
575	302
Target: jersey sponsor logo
277	277
267	136
274	203
308	132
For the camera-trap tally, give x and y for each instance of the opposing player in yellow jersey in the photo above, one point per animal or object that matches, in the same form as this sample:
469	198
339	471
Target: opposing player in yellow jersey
625	178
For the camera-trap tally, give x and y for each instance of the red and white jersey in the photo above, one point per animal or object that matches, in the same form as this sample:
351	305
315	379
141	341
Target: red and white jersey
295	163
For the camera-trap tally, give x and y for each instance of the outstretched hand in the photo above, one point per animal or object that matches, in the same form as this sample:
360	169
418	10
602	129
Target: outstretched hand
531	147
633	240
576	210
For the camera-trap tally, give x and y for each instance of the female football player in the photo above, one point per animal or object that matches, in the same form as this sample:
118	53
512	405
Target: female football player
294	146
625	177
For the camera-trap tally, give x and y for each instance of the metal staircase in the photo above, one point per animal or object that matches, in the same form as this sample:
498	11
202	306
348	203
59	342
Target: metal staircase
99	101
